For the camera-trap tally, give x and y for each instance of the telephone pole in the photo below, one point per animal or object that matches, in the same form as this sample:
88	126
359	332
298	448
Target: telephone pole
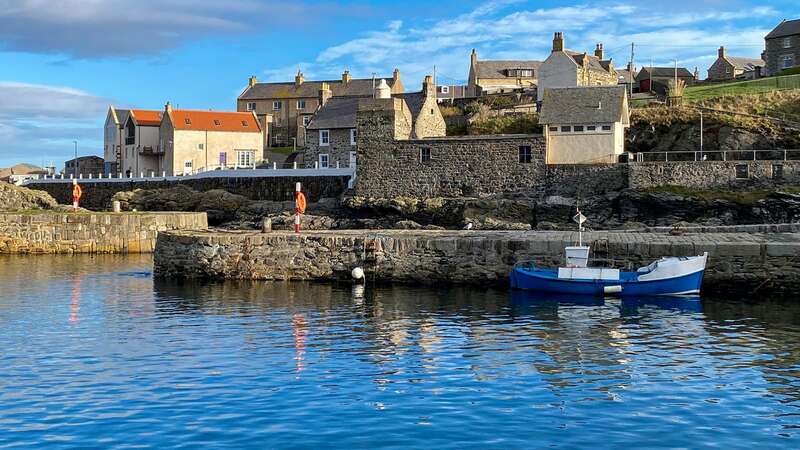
630	70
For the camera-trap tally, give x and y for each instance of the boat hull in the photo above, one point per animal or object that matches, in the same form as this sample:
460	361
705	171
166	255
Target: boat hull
543	280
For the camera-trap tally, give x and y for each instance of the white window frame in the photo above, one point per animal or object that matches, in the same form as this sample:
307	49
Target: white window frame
251	106
324	138
188	164
353	159
324	160
787	42
301	104
277	105
353	136
445	89
245	158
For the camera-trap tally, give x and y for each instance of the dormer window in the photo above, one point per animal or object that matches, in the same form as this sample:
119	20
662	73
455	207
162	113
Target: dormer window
187	121
216	123
520	73
244	123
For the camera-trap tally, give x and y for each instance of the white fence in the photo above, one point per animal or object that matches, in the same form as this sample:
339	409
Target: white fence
226	173
718	155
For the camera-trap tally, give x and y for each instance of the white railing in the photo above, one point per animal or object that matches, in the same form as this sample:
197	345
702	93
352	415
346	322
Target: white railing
718	155
229	172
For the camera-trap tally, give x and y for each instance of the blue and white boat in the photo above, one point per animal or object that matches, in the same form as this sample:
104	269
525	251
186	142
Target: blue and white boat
667	276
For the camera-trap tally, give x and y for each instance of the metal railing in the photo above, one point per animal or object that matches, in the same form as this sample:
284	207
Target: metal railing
718	155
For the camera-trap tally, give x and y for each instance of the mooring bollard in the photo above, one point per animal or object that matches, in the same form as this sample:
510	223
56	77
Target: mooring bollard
115	206
266	225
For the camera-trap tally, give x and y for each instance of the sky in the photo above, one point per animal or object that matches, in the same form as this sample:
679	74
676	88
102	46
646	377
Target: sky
63	63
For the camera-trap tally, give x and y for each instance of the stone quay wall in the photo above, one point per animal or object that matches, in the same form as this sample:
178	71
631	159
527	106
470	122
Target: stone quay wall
30	233
713	174
97	194
739	262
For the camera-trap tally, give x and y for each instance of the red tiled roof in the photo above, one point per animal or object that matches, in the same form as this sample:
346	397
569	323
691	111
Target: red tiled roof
185	119
147	117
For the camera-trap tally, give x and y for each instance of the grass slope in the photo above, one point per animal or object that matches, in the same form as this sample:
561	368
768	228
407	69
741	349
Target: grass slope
709	91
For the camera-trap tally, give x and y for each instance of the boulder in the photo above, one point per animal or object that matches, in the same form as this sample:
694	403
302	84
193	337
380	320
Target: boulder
15	198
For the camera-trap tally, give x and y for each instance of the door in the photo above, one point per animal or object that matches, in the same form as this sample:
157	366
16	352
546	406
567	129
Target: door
187	167
223	159
352	159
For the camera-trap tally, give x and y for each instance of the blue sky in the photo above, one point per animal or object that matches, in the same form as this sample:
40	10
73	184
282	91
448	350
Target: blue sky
62	63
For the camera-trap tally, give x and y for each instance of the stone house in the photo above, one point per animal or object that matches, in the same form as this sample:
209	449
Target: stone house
728	67
500	76
114	138
585	125
782	47
140	149
196	141
566	68
658	79
84	165
333	135
285	108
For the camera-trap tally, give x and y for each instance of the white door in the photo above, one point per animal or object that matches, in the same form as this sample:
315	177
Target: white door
187	167
352	159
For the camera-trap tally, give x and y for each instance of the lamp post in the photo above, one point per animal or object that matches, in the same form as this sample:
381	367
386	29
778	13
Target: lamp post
75	164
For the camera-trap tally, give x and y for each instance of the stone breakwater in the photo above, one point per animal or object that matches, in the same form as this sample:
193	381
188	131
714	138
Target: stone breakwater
44	232
739	261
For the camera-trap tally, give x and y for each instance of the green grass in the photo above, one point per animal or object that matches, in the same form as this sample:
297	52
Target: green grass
709	91
744	198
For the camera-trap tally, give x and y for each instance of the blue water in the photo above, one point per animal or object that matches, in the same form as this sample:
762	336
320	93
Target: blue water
96	354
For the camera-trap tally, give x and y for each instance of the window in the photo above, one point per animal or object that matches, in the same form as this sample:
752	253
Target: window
216	123
742	171
566	128
353	136
244	123
245	158
324	137
520	73
223	159
728	69
444	89
187	167
187	121
591	127
787	42
777	171
424	155
525	154
553	128
301	104
200	146
276	105
578	128
306	120
606	127
251	106
787	61
323	160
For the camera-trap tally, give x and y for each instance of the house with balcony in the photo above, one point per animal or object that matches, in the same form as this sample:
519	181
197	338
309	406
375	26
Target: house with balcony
140	152
782	47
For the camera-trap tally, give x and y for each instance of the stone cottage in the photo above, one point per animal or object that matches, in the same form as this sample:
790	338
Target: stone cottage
584	125
285	108
499	76
566	68
333	135
782	47
728	67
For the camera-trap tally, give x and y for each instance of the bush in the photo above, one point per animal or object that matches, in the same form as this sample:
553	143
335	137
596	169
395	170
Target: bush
520	124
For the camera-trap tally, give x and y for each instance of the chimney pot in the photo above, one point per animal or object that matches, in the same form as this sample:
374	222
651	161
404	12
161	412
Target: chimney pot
346	77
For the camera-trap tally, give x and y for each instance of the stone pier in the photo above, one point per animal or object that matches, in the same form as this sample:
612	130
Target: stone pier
739	262
55	232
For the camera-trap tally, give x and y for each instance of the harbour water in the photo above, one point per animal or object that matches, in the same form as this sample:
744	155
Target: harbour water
95	353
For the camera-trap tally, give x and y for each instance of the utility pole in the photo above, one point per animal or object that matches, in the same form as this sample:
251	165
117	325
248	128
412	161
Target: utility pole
676	74
701	135
631	71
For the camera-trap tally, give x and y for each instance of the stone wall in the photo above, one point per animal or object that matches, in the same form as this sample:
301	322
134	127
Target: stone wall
713	174
458	166
97	194
573	180
90	232
338	151
774	52
738	262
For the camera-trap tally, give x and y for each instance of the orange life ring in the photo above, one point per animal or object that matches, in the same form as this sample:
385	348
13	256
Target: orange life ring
76	191
300	202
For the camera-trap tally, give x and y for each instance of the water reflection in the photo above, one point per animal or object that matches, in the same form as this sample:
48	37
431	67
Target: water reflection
259	364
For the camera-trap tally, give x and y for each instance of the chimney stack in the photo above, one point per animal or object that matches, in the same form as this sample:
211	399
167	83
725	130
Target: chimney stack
346	77
168	107
598	52
324	94
298	79
558	42
721	52
396	75
428	89
473	57
252	81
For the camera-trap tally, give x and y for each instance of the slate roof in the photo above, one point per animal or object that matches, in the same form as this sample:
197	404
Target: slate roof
786	28
355	88
414	100
593	62
337	112
497	68
745	63
625	75
595	104
663	72
215	121
122	115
